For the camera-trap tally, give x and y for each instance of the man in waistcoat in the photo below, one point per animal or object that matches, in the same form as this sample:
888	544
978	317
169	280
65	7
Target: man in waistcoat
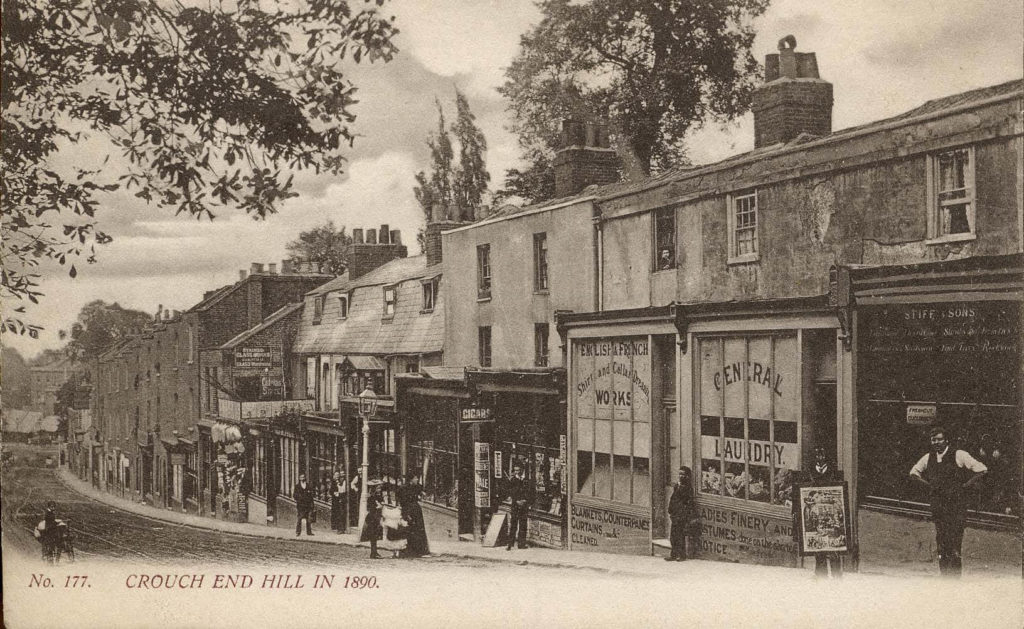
949	475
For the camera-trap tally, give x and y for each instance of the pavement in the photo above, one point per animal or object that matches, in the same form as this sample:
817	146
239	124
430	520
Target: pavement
534	556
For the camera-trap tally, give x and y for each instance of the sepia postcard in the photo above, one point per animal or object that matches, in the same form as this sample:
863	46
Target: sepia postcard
566	313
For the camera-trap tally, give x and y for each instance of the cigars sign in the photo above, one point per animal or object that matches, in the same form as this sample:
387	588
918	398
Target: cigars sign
612	378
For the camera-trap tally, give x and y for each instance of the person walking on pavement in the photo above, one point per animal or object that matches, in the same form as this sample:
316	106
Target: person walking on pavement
412	513
949	474
338	497
823	472
48	533
373	530
303	495
682	511
518	491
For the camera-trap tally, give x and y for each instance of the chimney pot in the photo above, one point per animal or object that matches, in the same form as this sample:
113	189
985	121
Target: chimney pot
242	273
384	233
286	267
396	237
371	236
256	267
272	267
357	236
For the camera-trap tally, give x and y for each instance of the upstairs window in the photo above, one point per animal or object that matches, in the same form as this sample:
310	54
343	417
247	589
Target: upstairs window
540	262
665	239
743	228
318	309
484	345
483	271
429	295
390	298
540	344
951	195
343	306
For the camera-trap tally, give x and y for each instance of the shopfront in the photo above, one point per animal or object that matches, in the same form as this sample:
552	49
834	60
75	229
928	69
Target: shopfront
622	402
940	344
518	419
764	391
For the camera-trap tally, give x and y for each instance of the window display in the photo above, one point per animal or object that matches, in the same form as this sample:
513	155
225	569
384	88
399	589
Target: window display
749	426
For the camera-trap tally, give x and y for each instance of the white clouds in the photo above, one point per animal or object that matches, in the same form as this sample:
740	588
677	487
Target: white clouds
883	57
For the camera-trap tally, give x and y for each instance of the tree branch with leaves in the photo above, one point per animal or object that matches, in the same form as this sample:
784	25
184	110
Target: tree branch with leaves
207	106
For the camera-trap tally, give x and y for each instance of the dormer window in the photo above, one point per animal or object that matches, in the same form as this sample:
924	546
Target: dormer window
318	309
342	306
429	295
390	300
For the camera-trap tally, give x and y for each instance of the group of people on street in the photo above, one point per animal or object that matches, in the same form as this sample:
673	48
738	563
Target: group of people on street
950	474
407	533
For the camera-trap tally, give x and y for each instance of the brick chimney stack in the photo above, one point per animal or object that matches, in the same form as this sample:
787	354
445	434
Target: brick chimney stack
366	252
794	98
586	158
441	219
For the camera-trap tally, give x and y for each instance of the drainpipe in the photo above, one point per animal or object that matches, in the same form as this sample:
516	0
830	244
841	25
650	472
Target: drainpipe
598	259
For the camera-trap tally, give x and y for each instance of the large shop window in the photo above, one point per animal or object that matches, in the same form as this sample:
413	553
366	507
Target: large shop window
613	419
749	417
437	468
543	469
289	459
952	363
385	459
322	450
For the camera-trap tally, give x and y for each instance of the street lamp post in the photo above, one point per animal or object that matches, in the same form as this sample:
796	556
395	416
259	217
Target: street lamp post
367	409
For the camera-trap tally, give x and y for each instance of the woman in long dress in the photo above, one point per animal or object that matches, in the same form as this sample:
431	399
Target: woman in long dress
412	513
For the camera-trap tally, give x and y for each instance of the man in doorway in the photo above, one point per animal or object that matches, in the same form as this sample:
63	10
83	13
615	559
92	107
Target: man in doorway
949	474
303	495
682	511
518	491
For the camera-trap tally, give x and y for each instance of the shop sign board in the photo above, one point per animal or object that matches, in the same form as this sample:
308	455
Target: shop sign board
607	530
562	453
475	414
253	358
482	473
544	533
746	536
177	458
497	464
921	414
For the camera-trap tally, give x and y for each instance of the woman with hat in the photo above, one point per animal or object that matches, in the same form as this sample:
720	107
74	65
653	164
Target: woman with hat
372	529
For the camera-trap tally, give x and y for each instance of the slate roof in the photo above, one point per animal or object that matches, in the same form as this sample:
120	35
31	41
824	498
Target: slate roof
934	106
273	318
365	331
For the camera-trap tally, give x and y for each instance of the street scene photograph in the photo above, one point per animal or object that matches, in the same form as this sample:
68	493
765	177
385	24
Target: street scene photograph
562	313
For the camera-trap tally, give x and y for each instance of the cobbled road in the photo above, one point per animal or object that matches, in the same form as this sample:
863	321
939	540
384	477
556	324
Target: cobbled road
105	532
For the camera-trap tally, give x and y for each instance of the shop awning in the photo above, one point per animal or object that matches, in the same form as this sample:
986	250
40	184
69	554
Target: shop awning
363	363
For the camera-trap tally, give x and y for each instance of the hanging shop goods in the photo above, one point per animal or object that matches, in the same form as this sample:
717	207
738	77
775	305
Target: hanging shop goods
482	474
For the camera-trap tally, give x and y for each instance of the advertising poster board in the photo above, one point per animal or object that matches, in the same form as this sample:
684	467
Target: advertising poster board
823	518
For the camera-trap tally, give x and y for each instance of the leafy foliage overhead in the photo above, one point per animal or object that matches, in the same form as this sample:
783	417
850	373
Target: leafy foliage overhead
324	244
99	326
460	187
205	104
654	68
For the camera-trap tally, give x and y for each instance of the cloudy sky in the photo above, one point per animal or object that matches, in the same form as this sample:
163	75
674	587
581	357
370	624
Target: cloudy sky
883	57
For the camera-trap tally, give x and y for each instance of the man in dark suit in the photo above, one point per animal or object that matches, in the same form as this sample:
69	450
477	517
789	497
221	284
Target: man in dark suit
681	512
303	495
518	491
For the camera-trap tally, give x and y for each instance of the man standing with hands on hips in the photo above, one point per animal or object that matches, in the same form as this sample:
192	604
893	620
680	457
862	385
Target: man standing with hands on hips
949	474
